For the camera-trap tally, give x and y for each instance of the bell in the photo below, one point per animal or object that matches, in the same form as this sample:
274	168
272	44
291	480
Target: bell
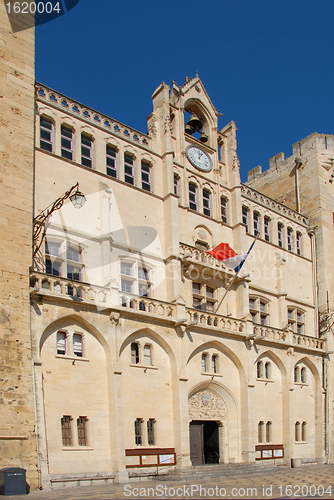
188	129
203	138
195	123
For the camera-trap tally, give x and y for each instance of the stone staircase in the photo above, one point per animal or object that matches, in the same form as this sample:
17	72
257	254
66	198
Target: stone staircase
218	471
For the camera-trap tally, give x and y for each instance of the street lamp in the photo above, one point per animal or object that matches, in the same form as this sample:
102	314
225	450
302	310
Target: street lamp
77	198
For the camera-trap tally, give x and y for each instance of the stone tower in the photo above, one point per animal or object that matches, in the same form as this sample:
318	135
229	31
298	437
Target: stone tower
17	417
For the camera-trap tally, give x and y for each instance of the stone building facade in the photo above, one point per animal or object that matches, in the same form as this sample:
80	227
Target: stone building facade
304	181
138	362
17	96
124	354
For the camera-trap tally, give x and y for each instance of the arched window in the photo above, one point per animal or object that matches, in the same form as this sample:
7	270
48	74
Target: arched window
268	432
304	436
259	369
303	376
297	431
296	374
260	429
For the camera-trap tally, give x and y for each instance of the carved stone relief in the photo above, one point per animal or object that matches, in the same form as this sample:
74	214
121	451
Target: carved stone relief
206	405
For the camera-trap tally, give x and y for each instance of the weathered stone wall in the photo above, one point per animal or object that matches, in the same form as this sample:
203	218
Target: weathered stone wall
17	419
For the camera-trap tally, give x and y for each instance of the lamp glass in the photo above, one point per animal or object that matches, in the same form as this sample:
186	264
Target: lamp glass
78	199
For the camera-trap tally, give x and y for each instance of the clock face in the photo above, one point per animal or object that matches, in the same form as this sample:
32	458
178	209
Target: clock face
199	158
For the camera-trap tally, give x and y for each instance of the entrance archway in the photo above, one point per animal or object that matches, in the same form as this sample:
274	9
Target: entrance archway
207	412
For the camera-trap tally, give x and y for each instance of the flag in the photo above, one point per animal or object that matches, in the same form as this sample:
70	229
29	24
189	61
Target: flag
224	253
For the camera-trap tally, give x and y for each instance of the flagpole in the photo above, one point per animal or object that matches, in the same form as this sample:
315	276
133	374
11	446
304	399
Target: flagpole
226	291
236	274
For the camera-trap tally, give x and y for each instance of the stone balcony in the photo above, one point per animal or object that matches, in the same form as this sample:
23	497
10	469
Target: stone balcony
56	288
199	261
253	333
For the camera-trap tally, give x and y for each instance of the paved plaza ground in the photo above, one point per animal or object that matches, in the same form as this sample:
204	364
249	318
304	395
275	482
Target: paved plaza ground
218	482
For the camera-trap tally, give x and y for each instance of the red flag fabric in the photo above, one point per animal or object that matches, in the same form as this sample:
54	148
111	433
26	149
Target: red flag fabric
222	251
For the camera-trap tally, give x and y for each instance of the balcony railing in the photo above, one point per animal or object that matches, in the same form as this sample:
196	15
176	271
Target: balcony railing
147	304
58	286
215	320
305	341
55	286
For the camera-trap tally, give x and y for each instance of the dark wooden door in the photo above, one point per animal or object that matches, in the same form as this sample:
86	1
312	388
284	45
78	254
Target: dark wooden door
211	442
196	443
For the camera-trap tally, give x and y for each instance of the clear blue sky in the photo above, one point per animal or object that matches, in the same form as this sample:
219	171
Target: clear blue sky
266	64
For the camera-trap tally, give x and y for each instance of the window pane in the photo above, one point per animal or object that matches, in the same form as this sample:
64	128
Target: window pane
73	273
147	355
73	254
143	290
126	268
126	286
82	431
61	343
150	431
52	267
66	430
134	353
77	345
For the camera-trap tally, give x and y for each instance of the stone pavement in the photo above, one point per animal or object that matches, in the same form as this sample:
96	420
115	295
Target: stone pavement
219	482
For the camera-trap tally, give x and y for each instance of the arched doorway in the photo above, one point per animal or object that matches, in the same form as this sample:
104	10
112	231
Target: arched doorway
207	412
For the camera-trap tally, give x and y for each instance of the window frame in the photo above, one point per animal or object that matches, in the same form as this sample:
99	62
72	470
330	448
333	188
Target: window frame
267	228
87	159
193	202
46	130
290	239
66	430
129	169
259	309
148	347
59	343
111	161
280	228
151	431
257	223
206	196
134	279
82	429
296	320
298	243
138	431
78	351
146	182
204	362
269	431
223	208
176	185
66	150
61	264
260	431
245	217
135	353
203	297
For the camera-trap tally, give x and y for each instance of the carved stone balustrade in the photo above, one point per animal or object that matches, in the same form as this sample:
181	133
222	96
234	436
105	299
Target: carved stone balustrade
148	305
56	286
74	108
